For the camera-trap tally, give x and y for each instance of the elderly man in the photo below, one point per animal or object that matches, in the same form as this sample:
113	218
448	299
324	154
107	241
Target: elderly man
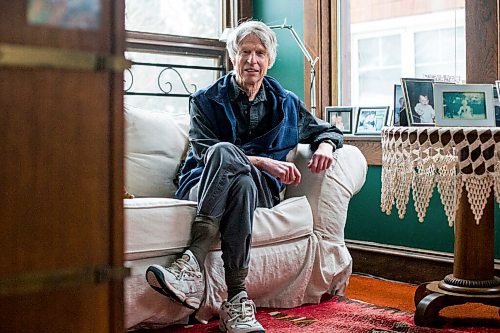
242	128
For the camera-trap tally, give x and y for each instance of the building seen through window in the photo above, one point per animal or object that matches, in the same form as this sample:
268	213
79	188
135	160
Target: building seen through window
385	40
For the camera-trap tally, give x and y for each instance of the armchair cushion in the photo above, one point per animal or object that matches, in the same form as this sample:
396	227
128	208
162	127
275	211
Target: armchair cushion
149	221
154	146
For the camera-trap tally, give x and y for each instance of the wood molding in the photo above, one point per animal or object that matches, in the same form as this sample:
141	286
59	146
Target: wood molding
481	35
402	263
245	10
325	63
334	55
370	146
318	41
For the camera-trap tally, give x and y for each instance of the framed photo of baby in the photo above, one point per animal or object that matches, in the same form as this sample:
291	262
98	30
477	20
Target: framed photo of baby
419	101
341	117
464	104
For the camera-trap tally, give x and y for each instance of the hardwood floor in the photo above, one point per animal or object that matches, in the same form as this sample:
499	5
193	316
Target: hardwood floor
400	295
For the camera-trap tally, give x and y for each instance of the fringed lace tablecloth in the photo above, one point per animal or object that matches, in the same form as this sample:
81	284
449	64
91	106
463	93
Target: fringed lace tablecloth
416	159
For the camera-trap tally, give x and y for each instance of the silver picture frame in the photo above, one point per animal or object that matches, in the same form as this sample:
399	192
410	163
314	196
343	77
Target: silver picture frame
464	105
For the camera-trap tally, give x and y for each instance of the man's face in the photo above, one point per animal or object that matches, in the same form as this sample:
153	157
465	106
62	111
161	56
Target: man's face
251	61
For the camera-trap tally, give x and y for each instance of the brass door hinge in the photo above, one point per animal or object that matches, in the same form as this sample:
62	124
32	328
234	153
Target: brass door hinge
35	282
27	56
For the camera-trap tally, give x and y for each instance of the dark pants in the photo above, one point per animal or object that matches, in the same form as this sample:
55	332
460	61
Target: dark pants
229	191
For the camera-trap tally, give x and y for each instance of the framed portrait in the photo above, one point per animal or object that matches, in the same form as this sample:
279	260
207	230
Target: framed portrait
419	101
399	115
341	117
464	104
496	102
371	119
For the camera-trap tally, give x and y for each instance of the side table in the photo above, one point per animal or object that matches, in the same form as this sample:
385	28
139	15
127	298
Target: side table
464	164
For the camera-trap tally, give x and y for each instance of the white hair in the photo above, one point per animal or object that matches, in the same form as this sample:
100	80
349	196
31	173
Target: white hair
257	28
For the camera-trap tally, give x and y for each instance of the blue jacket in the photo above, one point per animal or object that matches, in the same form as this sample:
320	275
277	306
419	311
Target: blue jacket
215	105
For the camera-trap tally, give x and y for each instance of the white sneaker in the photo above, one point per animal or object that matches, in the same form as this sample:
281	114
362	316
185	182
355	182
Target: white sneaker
238	316
183	281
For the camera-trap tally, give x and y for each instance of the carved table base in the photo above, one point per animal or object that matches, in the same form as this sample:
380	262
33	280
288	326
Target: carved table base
431	297
464	164
473	279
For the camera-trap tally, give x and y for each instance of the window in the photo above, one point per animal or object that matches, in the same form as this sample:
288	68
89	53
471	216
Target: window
378	67
173	51
175	17
151	82
438	52
389	39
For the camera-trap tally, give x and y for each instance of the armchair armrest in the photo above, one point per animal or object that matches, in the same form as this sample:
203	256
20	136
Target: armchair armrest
330	191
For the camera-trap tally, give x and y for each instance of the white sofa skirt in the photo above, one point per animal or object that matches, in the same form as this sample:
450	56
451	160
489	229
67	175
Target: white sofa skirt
284	257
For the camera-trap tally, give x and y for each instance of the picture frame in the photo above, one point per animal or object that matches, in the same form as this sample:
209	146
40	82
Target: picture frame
463	105
341	117
496	104
419	101
371	119
399	116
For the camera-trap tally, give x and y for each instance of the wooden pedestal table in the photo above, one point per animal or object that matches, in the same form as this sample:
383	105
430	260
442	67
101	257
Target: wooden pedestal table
454	158
473	278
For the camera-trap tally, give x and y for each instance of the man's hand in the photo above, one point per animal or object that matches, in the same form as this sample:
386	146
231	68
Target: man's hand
322	158
286	172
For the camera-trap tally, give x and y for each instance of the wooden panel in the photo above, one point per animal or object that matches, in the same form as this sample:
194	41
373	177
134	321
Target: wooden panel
386	260
326	57
334	54
318	41
245	10
370	147
116	151
62	175
312	38
83	309
481	35
55	167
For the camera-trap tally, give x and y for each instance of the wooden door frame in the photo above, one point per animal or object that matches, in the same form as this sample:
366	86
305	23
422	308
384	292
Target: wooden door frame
320	38
320	34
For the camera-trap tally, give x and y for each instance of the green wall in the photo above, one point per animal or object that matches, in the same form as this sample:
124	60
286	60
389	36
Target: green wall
289	65
367	222
365	219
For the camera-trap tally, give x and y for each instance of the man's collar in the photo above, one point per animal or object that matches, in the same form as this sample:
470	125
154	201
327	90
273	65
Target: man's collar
236	91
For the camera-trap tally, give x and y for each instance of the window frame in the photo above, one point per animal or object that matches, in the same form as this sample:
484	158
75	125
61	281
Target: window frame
189	46
407	29
481	28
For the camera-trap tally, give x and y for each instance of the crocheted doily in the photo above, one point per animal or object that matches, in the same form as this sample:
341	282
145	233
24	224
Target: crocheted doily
415	159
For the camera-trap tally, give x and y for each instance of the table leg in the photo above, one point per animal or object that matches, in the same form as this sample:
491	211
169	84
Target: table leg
473	278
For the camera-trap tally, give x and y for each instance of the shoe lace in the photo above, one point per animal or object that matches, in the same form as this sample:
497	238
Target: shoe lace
181	267
241	311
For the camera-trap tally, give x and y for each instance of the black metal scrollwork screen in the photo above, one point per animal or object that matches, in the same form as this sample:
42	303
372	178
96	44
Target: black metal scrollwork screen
153	76
168	76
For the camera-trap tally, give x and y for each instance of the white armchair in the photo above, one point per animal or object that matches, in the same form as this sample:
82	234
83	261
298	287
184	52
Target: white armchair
298	250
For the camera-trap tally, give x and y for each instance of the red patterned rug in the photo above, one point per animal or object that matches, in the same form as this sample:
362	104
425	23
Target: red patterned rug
338	315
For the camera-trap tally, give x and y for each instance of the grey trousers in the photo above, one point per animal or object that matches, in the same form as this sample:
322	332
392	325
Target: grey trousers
228	192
